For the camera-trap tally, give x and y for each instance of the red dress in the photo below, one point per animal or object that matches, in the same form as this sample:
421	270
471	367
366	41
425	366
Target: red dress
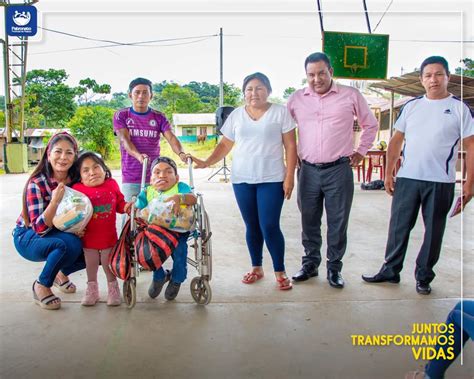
107	200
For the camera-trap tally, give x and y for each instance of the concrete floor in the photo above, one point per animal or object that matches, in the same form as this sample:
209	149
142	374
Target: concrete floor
247	331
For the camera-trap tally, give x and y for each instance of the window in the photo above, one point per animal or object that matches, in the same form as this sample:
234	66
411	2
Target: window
189	131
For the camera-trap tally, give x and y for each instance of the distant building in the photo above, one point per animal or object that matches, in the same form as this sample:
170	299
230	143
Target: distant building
188	126
34	138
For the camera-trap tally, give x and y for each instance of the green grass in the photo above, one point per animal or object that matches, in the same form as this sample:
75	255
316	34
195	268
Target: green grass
198	150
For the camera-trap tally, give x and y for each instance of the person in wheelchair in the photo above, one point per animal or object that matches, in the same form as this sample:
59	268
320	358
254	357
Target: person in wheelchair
165	186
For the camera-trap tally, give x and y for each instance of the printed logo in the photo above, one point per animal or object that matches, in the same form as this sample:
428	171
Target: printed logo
22	20
447	111
129	122
152	122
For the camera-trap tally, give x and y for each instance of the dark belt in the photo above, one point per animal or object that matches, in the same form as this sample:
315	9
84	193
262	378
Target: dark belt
322	166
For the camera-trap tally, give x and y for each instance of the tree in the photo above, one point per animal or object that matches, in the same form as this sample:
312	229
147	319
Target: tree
288	91
50	93
467	70
91	125
209	94
2	102
119	100
33	117
176	99
88	88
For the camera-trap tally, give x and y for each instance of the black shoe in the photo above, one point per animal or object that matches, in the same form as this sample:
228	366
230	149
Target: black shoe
335	279
157	285
423	288
172	290
381	278
304	274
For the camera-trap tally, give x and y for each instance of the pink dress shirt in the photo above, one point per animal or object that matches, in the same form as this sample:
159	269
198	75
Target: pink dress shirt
325	123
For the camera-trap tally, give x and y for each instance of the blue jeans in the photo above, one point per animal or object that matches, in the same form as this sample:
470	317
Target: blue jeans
129	190
260	205
180	264
436	368
62	252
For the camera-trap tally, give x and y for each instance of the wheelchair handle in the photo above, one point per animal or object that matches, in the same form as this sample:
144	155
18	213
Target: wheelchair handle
144	167
191	178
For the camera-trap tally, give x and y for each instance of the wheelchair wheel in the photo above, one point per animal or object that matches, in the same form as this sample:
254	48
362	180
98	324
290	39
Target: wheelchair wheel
201	291
130	292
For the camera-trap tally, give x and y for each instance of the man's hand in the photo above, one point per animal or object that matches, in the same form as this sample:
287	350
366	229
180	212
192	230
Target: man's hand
356	158
389	184
288	186
199	163
141	157
467	193
184	157
176	199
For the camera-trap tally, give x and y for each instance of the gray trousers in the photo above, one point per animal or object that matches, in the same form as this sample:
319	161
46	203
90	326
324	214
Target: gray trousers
332	187
435	200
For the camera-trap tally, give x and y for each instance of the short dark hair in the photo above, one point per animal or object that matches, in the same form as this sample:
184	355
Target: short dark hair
317	57
138	81
435	59
96	158
166	160
260	77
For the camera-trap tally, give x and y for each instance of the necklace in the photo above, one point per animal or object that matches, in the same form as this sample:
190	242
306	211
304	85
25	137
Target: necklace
260	112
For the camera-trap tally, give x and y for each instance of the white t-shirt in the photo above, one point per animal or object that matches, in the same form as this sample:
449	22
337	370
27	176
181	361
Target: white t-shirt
258	152
433	129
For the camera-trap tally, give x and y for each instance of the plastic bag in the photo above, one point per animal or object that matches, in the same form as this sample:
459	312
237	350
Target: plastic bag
160	213
74	212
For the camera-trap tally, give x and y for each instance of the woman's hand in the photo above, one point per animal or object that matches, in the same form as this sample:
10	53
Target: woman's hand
127	207
288	186
176	199
58	194
199	163
80	233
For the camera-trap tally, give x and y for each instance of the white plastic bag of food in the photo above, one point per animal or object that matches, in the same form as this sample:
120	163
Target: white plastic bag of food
74	211
160	213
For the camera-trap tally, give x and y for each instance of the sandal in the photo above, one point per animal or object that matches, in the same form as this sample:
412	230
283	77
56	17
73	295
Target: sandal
46	302
252	277
66	287
284	283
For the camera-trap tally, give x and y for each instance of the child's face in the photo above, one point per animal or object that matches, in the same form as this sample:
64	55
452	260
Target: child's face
163	177
92	173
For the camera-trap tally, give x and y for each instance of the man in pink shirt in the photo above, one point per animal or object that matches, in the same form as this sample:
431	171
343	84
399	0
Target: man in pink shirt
324	112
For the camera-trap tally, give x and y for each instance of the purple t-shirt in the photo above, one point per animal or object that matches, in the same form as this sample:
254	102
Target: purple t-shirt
144	129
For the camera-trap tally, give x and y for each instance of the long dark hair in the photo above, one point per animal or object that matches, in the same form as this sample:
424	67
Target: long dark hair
45	168
96	158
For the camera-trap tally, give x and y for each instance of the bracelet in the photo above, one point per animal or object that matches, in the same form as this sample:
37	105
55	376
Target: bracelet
182	198
181	152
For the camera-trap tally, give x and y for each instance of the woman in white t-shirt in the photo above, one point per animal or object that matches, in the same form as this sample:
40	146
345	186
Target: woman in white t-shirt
263	134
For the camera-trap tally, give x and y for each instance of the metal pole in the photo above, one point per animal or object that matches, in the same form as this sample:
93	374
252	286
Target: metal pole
320	17
221	80
391	112
8	111
367	17
24	50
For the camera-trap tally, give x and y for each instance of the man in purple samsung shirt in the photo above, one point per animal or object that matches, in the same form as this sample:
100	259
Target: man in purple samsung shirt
139	129
324	112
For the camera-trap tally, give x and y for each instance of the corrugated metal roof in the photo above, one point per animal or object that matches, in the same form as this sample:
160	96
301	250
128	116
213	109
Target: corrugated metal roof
34	132
194	119
409	85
